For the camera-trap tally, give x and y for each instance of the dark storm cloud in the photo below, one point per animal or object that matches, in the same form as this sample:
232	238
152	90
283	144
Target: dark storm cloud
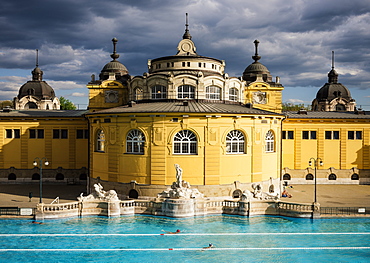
297	36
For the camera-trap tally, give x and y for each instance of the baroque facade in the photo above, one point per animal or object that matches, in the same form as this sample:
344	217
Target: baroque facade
225	132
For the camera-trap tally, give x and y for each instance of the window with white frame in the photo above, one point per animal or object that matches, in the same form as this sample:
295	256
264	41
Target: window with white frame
186	92
270	142
139	94
12	133
100	141
213	93
135	141
233	94
185	142
235	142
159	92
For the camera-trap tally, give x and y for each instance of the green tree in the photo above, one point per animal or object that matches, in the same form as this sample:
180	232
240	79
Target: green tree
6	103
288	106
66	104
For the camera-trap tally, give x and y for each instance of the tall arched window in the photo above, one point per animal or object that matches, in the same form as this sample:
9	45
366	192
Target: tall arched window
213	93
100	141
233	94
270	142
135	142
139	94
186	92
185	142
159	92
235	142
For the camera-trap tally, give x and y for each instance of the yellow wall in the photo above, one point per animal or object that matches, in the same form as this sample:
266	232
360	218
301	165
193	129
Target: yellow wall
20	153
339	154
210	166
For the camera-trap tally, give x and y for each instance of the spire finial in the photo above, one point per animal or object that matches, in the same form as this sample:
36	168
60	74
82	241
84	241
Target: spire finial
186	34
114	55
332	60
256	57
37	57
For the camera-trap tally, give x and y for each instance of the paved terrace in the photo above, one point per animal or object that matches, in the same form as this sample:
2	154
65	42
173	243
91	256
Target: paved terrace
14	195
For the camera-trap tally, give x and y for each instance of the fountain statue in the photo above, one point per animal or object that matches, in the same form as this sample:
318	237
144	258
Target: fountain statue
180	188
99	194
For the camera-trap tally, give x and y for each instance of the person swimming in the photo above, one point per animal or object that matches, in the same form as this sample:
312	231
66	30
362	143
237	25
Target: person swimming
209	246
168	232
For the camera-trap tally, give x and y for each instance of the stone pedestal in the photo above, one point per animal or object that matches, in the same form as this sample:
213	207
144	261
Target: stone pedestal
183	207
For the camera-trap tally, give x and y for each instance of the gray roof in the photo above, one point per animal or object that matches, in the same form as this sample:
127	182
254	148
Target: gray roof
42	113
193	107
327	115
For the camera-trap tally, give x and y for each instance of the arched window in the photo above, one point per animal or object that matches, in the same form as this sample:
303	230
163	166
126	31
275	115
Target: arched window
213	93
30	105
286	177
12	176
270	142
332	177
355	177
235	142
59	176
100	141
340	107
133	194
309	177
185	142
186	92
139	94
159	92
35	176
135	142
233	94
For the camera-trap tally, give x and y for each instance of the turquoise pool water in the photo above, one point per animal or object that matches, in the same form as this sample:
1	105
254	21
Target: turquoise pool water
142	239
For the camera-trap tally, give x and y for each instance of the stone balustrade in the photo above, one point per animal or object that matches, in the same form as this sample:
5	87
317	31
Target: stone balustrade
176	208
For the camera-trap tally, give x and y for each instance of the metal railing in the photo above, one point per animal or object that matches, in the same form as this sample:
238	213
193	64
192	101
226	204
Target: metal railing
345	211
13	211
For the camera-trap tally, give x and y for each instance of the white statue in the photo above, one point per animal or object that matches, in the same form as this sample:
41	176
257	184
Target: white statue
180	188
178	175
100	194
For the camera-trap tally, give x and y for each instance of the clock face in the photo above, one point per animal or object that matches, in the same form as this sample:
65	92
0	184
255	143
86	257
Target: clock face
259	97
111	96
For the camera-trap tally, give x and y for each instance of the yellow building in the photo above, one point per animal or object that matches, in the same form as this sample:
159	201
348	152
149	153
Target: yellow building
186	110
335	136
224	132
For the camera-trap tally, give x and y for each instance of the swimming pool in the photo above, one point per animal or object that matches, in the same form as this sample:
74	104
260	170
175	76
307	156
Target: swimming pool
142	239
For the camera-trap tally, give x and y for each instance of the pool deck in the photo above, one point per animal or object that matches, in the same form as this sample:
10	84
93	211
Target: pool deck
16	195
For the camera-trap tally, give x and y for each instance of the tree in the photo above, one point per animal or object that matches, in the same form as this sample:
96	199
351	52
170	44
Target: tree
66	104
6	103
288	106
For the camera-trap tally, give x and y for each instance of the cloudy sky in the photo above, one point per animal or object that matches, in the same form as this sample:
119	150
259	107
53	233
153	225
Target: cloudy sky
296	39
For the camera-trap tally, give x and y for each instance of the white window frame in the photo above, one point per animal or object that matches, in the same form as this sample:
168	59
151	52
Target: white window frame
213	93
186	92
270	142
159	92
233	94
235	142
185	142
135	141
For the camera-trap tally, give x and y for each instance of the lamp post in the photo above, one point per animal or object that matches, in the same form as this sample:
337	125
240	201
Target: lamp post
315	164
38	162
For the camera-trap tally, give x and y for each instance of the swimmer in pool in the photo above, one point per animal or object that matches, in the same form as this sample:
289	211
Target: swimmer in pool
209	246
168	232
